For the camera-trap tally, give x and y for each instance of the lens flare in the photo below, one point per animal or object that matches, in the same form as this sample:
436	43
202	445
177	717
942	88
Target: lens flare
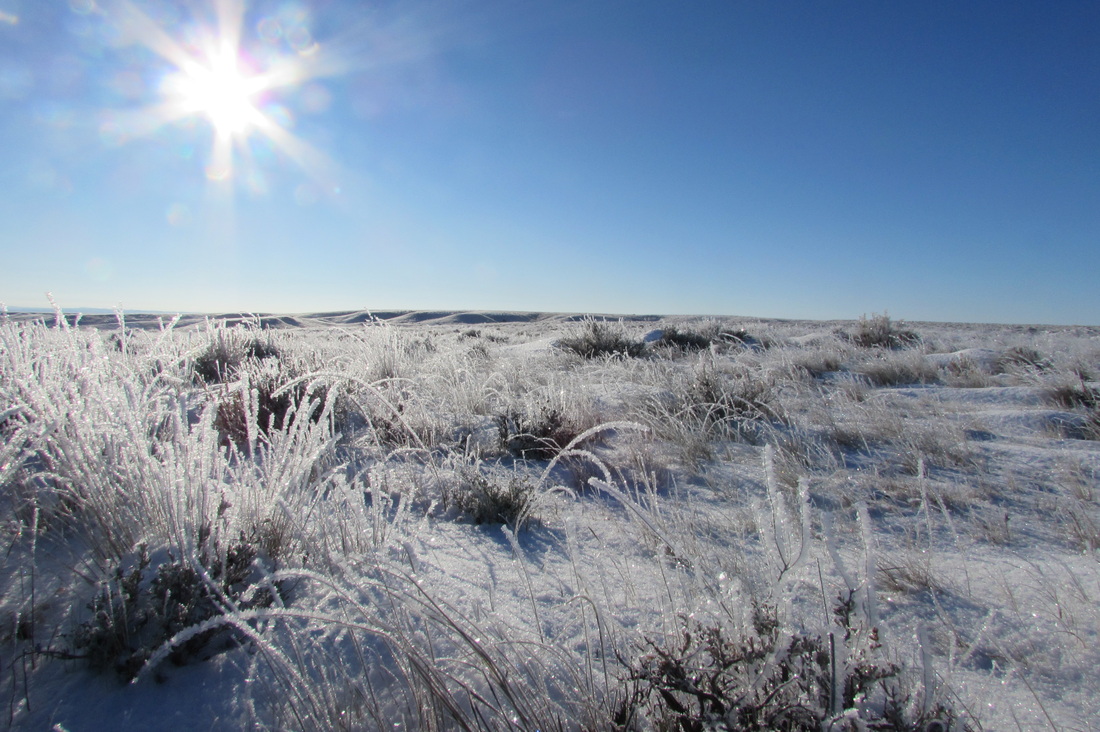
212	79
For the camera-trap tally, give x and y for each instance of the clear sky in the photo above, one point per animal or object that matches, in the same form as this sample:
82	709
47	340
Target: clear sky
936	159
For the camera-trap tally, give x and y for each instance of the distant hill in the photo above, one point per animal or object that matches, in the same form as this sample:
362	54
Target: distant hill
106	319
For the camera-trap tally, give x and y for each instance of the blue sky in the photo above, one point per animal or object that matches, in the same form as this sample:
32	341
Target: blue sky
937	160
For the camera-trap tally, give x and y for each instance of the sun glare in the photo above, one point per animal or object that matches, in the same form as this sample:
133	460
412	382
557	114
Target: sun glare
234	86
221	93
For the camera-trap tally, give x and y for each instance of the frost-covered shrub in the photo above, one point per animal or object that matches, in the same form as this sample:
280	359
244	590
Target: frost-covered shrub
966	373
685	339
816	363
274	397
1074	395
879	331
910	575
491	499
148	600
228	351
712	400
399	414
1076	508
729	401
895	369
598	339
538	433
1084	398
768	679
1023	357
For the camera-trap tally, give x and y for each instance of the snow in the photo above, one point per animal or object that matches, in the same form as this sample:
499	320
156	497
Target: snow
986	359
963	515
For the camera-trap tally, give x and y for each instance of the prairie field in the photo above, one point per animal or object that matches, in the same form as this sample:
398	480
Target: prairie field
519	521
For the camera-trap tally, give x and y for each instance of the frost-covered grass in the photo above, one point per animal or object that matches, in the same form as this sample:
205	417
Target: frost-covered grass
437	527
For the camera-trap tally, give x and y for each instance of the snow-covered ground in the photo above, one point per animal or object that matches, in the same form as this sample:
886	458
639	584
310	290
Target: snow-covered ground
452	520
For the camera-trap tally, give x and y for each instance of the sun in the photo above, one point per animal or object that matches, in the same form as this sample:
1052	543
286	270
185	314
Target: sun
220	91
209	72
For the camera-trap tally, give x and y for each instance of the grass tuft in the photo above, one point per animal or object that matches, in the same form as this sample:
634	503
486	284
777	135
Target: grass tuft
1023	357
1081	397
599	339
539	433
725	396
228	351
688	340
492	499
274	398
772	679
879	331
145	603
898	369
